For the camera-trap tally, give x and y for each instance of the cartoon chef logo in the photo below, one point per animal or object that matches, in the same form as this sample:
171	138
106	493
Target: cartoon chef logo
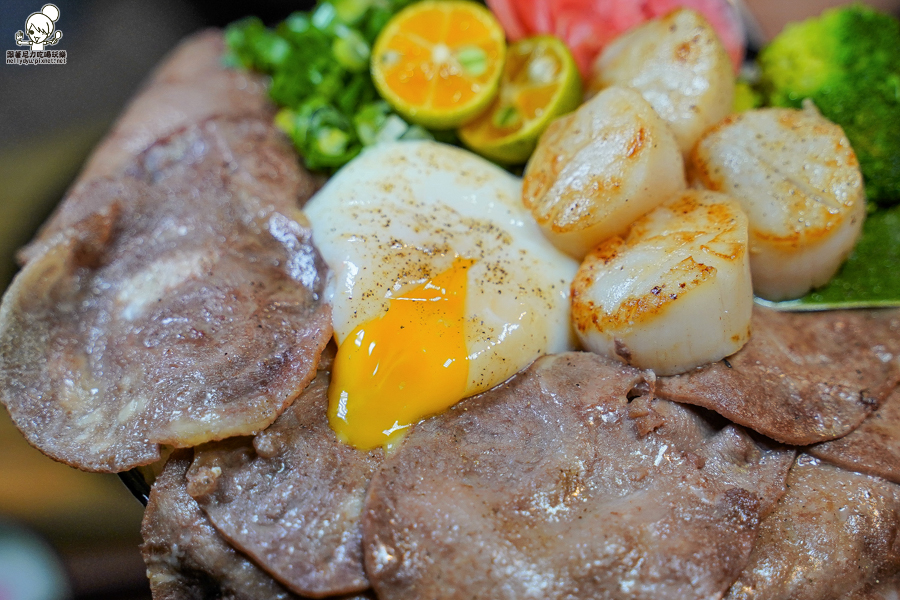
41	29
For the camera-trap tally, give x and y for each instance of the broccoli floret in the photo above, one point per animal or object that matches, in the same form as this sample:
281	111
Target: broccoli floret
847	61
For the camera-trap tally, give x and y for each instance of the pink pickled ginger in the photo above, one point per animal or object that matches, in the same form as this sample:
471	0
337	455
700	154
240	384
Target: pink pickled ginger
588	25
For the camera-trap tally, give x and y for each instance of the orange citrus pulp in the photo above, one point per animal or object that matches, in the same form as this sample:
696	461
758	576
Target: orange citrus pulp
539	83
438	62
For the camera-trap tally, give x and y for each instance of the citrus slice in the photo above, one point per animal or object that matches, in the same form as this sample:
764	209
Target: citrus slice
438	62
540	82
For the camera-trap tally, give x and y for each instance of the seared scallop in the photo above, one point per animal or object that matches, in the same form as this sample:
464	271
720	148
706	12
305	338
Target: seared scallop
598	169
798	180
679	66
672	294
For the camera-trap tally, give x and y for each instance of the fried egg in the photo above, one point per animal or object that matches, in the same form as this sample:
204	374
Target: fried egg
442	285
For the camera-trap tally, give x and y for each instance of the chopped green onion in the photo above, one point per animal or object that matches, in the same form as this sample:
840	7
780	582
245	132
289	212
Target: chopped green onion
351	50
393	129
350	12
296	23
323	16
319	67
370	120
332	141
285	120
376	21
256	47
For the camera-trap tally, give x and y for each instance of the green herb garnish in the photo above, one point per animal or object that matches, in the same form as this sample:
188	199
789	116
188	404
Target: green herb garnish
319	65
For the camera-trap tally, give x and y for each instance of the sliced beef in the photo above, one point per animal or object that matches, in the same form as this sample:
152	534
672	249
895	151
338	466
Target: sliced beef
186	558
191	86
247	158
556	485
803	377
834	535
186	308
882	589
292	498
873	448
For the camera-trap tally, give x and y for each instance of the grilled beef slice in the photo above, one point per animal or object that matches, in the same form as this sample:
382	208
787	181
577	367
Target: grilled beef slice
834	535
291	498
186	308
873	448
803	377
190	86
186	558
556	485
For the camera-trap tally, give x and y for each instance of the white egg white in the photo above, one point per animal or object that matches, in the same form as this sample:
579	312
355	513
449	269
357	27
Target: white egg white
401	213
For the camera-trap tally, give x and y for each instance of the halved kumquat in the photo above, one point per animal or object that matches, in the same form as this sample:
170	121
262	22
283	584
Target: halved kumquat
540	82
438	62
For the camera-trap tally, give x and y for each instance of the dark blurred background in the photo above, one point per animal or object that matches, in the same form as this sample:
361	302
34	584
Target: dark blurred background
64	533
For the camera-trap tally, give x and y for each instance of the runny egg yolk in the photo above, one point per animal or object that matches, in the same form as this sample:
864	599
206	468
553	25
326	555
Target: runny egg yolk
407	364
